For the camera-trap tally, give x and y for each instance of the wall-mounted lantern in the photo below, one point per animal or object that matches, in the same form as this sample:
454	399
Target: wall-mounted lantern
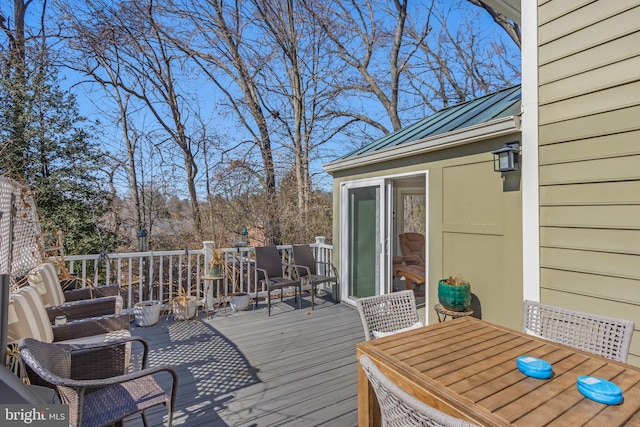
507	158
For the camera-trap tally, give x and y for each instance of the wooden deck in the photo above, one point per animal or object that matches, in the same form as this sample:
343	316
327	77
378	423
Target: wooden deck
297	367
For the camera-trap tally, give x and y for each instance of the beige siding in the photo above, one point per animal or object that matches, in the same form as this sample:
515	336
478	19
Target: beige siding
589	136
475	224
479	235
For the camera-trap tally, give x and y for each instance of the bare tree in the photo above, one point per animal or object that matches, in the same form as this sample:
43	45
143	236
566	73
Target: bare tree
226	55
122	48
457	63
374	47
296	94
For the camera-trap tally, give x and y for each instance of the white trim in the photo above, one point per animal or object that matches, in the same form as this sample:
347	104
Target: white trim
344	232
509	8
492	129
530	164
385	250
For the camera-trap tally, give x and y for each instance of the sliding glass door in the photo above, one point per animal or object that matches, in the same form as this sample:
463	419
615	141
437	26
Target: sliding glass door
364	244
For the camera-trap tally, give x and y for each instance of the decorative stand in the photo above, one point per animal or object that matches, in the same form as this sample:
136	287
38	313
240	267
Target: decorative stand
222	300
443	313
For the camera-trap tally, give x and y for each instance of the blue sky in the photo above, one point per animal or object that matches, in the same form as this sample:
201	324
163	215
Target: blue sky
93	104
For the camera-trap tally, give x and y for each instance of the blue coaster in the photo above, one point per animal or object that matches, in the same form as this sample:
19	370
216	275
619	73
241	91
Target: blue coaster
599	390
534	367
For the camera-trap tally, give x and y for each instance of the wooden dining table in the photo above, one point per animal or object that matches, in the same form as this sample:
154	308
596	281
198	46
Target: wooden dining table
466	367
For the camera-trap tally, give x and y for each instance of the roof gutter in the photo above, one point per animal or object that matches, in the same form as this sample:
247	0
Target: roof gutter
492	129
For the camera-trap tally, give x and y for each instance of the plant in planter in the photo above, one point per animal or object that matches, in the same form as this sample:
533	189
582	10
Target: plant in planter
454	293
217	263
239	301
184	305
147	312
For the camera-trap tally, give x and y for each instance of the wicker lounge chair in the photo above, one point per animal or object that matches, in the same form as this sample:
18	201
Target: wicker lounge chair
399	409
387	313
269	263
75	304
306	267
604	336
103	401
27	318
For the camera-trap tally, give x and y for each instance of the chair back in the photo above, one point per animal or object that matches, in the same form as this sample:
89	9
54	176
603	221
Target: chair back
303	255
604	336
400	409
27	317
387	313
45	279
268	259
46	359
412	244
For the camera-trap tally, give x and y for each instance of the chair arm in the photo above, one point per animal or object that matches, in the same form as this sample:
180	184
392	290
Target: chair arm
297	266
103	382
105	291
91	292
412	259
80	347
77	294
83	308
89	327
264	272
330	264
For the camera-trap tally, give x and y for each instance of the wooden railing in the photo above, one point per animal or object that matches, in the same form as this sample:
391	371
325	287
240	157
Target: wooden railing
160	275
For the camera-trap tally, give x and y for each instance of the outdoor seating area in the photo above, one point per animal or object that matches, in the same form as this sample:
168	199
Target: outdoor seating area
248	369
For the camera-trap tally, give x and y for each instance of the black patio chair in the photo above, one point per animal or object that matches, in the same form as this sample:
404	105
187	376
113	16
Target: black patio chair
269	263
306	267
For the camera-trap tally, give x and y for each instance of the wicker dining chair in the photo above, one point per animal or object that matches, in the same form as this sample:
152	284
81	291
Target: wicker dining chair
387	313
105	400
400	409
604	336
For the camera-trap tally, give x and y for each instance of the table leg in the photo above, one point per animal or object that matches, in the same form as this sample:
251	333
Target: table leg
368	407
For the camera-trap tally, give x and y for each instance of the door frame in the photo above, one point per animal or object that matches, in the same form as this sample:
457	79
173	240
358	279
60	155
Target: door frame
386	238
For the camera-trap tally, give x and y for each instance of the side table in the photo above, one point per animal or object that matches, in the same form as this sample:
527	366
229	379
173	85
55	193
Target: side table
443	313
222	300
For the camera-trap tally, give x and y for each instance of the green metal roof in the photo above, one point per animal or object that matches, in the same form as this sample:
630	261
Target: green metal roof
504	103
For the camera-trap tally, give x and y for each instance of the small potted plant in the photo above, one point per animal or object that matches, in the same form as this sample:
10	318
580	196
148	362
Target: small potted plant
217	263
147	313
454	293
184	305
239	301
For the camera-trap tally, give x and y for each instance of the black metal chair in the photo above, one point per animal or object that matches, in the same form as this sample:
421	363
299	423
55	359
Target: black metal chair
306	267
101	401
269	263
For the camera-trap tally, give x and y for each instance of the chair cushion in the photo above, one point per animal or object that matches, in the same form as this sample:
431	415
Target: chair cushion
27	317
110	404
377	334
45	278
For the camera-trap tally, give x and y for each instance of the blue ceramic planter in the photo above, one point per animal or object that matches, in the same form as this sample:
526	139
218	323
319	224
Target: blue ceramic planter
454	297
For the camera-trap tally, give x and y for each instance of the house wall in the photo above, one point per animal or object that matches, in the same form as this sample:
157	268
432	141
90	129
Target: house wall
589	157
475	224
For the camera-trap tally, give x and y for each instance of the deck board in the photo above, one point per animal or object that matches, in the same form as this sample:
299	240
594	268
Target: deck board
297	367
